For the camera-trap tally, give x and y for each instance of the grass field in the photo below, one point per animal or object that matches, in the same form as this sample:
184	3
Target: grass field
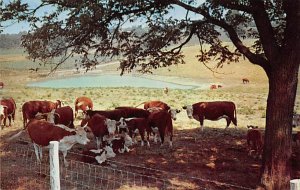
250	100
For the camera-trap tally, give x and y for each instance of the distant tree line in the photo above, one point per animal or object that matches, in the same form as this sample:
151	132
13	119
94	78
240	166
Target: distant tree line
8	41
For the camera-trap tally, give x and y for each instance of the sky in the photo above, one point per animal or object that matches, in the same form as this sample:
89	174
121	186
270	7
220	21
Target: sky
17	27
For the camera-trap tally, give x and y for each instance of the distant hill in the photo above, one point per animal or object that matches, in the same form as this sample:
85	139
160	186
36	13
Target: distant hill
8	41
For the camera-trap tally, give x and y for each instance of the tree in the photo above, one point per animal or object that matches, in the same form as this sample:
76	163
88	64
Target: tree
84	27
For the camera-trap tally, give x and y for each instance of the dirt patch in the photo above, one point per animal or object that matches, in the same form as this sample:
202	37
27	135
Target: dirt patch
213	157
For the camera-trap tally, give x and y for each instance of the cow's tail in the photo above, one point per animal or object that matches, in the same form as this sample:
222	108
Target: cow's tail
16	135
139	104
235	116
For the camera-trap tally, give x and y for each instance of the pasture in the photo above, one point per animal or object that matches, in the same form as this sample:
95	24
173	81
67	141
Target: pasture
216	155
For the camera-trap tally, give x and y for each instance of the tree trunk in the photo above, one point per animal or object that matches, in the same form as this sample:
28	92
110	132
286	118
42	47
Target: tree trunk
283	79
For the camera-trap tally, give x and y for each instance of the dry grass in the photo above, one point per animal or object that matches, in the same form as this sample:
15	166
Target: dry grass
211	148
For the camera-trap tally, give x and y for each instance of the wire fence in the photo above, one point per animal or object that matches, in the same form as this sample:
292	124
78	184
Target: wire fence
114	175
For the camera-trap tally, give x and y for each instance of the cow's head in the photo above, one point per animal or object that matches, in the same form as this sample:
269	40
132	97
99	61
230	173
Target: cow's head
173	113
189	110
81	135
111	126
122	126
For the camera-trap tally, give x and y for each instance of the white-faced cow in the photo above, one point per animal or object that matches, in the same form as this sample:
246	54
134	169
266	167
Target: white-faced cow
31	108
83	103
41	132
9	110
100	126
212	111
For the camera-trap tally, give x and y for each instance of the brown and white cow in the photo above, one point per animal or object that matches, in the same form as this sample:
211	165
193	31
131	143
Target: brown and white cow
161	122
137	124
63	115
9	110
245	80
1	85
83	103
3	113
254	141
31	108
100	126
41	132
157	105
119	112
212	111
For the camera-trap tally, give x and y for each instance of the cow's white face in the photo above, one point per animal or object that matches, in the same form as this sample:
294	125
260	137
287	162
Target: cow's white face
173	113
109	152
111	126
81	136
122	124
189	111
2	110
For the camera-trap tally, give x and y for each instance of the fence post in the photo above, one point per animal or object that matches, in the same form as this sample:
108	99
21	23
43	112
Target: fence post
54	166
295	184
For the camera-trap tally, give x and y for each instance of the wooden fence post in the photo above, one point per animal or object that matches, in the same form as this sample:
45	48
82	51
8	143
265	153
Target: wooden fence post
54	166
295	184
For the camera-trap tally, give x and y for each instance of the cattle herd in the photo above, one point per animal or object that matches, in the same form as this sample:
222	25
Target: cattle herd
115	130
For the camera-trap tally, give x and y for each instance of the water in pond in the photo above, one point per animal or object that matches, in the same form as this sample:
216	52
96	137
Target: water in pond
108	81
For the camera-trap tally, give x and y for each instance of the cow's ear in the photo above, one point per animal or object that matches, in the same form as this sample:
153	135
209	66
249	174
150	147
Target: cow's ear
184	107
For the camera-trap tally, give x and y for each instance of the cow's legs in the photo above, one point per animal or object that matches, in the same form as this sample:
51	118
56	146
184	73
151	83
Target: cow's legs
99	142
171	142
9	120
228	121
162	137
201	123
37	153
65	161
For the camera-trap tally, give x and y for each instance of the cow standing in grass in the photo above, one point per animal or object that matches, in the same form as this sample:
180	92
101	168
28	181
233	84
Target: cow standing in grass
212	111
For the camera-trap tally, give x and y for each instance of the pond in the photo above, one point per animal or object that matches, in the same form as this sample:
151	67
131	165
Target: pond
108	81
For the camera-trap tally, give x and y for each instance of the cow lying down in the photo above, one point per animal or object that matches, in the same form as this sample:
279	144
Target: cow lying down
112	147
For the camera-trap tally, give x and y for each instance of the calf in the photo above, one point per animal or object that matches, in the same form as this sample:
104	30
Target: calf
163	122
9	106
100	126
83	103
140	124
254	141
99	155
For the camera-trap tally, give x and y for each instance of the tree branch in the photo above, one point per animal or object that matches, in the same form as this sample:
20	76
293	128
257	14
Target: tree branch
265	29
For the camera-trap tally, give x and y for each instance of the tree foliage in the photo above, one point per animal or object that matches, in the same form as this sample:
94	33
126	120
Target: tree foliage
73	27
